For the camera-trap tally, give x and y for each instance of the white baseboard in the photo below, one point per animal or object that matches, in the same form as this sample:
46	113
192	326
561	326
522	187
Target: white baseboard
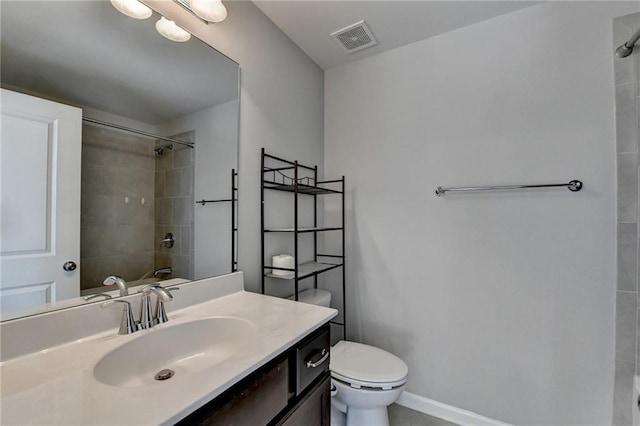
445	412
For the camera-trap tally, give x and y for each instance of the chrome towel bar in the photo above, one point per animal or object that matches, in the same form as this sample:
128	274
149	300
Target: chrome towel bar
574	186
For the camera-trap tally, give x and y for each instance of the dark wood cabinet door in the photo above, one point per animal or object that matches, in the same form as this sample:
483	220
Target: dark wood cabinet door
314	409
255	403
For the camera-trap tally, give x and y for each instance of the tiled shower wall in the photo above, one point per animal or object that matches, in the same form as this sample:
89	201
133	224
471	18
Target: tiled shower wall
627	84
174	200
117	206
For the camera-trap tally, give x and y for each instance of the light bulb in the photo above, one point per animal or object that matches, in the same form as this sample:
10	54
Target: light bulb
170	30
132	8
209	10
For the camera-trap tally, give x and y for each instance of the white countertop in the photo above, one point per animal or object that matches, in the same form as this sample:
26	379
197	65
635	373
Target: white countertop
57	386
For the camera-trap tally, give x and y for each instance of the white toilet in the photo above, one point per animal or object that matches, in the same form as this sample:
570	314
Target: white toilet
365	380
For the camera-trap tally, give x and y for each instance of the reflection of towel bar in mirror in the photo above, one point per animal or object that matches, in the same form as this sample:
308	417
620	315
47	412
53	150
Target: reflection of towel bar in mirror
573	186
234	220
203	202
234	193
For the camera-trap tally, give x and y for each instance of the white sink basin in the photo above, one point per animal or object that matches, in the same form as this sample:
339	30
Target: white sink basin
184	348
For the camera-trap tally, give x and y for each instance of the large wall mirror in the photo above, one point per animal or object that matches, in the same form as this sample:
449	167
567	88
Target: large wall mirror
112	137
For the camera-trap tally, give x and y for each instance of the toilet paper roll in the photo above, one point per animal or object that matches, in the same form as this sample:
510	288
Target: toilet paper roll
283	261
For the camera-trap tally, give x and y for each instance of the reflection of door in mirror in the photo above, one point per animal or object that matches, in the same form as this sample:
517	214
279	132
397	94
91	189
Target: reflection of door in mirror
40	195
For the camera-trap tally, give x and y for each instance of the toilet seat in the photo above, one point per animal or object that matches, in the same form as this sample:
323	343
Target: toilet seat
364	366
359	384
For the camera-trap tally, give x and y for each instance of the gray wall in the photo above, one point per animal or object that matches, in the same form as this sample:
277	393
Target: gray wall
500	303
117	227
627	80
281	107
216	153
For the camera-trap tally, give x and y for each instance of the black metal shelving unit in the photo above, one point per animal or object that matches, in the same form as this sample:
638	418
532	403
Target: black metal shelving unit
277	178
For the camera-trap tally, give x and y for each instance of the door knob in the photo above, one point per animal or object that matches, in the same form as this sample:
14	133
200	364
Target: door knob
69	266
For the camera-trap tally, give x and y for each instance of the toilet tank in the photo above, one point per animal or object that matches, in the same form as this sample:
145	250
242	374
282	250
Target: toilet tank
314	296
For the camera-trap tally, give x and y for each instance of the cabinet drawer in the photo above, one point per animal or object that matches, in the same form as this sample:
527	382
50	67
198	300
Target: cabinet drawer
312	359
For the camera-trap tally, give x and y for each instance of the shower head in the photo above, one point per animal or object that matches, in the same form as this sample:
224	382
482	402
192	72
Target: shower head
624	51
160	150
627	48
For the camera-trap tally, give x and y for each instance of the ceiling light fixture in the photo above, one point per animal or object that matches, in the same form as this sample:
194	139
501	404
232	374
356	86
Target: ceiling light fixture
170	30
209	10
132	8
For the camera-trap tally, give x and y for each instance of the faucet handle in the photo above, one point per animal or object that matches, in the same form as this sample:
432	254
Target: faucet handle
128	324
147	320
161	292
161	313
170	289
96	295
150	288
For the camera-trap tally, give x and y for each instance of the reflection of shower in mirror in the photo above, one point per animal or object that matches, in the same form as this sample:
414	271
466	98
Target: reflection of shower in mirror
160	150
627	48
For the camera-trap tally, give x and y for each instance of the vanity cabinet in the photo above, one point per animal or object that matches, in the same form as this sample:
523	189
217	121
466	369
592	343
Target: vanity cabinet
292	390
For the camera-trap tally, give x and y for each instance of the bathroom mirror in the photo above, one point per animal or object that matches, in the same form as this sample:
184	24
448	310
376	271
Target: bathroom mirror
159	134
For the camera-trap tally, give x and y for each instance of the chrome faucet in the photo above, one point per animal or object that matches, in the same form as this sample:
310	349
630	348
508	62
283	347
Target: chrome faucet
162	271
119	281
147	319
128	324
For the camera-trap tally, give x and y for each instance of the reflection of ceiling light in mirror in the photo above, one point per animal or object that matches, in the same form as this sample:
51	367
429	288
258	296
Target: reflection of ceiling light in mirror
132	8
170	30
209	10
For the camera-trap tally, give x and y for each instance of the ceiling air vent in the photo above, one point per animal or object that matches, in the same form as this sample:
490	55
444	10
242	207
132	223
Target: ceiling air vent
354	37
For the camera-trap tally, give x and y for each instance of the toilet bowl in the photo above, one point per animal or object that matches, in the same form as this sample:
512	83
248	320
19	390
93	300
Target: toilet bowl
366	380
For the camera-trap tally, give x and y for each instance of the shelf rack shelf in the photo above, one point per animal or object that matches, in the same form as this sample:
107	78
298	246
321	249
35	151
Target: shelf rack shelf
286	176
302	189
303	230
305	270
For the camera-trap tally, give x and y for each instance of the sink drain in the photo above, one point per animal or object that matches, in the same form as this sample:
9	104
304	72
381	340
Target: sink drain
165	374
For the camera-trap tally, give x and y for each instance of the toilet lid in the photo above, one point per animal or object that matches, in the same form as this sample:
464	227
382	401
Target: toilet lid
366	364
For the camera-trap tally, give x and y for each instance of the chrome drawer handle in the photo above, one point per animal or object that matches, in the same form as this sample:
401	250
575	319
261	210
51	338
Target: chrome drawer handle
324	355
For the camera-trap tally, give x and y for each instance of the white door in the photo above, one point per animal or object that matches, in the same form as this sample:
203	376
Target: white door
40	153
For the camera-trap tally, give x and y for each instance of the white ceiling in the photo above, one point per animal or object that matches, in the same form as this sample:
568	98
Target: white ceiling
393	23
